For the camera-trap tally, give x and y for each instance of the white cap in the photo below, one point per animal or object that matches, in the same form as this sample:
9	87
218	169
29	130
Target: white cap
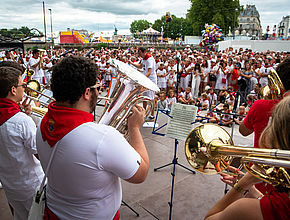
207	88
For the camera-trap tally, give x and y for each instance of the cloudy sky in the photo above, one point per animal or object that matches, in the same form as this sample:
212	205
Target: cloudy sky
102	15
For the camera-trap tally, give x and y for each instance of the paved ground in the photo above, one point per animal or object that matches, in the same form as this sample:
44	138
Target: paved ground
194	194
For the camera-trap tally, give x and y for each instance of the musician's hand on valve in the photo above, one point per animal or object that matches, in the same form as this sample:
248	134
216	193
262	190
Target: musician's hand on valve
137	117
26	107
232	179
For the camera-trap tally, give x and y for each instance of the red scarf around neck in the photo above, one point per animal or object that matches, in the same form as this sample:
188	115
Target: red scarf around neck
8	108
60	120
148	55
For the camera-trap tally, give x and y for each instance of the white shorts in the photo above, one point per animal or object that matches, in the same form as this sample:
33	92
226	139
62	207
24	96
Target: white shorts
162	84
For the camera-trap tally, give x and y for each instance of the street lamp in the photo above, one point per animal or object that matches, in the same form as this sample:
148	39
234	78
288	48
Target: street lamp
52	41
44	23
234	34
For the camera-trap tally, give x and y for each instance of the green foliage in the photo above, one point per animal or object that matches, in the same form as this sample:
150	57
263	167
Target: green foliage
34	47
139	26
220	12
101	45
178	27
16	33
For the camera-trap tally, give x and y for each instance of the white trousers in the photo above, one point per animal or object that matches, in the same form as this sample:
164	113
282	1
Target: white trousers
20	208
195	86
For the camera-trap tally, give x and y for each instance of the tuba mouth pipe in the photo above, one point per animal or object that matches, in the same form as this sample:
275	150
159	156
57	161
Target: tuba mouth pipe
209	149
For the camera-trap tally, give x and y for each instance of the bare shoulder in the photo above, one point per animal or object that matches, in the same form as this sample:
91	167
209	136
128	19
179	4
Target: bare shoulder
241	209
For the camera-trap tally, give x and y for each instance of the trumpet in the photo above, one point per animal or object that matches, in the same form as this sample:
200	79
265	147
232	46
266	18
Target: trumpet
41	57
209	149
29	73
127	93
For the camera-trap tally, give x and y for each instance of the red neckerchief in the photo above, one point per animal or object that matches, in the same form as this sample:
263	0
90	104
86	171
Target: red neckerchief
267	66
8	108
148	55
60	120
35	57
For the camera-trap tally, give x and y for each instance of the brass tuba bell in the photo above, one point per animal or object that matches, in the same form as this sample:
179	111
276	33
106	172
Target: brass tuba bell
129	86
274	89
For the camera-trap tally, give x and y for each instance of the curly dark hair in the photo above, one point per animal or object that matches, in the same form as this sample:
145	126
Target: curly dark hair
13	64
9	77
71	77
283	70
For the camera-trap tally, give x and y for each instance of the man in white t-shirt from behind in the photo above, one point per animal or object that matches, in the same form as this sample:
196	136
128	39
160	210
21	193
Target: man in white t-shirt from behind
150	71
84	177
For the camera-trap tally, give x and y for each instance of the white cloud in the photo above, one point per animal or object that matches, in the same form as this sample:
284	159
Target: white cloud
102	15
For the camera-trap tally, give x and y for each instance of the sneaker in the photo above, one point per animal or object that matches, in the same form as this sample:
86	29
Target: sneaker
1	186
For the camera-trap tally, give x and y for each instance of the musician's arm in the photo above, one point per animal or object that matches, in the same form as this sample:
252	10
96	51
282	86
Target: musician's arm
244	130
138	65
136	141
234	206
149	72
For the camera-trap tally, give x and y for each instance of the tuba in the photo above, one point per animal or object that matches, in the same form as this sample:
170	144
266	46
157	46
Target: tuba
274	89
209	149
127	92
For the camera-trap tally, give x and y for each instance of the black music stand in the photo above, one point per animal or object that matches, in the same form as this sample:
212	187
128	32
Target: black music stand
174	163
125	204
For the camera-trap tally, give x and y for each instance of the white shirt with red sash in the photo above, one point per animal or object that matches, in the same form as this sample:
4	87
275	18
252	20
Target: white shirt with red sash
84	177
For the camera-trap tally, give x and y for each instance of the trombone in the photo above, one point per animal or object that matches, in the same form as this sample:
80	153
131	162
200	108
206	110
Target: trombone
209	149
36	92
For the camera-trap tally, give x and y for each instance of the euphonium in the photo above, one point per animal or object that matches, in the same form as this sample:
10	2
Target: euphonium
274	89
127	92
209	149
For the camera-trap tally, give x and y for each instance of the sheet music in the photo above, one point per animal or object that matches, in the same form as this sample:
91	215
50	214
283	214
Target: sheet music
180	124
45	99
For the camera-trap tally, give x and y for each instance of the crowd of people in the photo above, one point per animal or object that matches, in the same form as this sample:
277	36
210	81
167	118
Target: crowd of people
206	79
214	81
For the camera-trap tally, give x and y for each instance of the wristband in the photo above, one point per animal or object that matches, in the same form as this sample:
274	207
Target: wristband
240	189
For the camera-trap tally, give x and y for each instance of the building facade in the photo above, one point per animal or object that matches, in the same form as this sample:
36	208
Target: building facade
249	23
284	27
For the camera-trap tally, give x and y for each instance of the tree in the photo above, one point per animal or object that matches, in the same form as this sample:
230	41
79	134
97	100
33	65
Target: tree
139	26
220	12
17	33
178	27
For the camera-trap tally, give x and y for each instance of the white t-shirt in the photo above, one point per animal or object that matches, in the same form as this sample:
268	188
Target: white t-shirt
83	181
150	63
38	71
212	98
20	171
47	72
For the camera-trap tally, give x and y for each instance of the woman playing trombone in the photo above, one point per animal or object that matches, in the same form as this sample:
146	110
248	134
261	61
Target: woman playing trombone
244	201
